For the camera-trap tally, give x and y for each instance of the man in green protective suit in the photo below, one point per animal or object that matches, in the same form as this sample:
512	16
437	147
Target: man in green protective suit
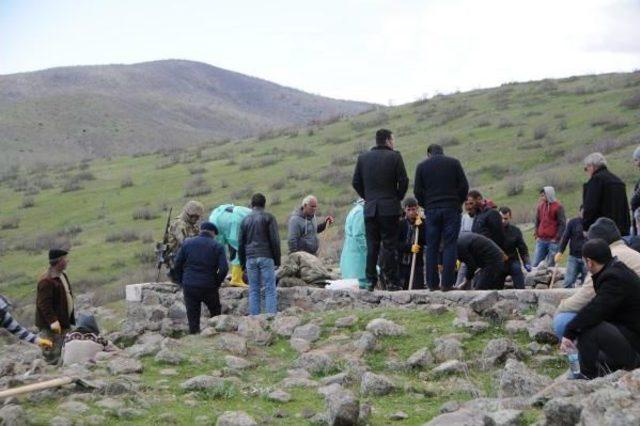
227	219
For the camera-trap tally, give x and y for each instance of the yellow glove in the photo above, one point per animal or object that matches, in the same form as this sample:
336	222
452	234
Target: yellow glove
44	343
415	248
55	327
558	257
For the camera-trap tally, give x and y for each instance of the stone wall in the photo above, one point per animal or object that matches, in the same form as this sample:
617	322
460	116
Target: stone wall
160	307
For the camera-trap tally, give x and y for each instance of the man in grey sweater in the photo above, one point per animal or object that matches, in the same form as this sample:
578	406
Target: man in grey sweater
304	227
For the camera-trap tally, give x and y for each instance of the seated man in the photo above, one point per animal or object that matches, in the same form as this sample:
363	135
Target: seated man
407	247
14	327
304	227
515	248
84	343
607	329
605	229
479	252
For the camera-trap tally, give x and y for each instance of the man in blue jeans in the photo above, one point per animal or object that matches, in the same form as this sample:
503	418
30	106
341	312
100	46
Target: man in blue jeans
549	227
440	188
259	254
574	236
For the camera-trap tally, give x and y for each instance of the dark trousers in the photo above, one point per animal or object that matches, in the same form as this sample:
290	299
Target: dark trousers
194	297
442	226
604	349
491	277
382	230
514	268
418	275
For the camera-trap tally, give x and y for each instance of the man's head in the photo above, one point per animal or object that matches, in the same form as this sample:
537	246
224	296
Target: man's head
410	206
385	137
604	229
209	228
596	254
505	212
58	259
547	194
258	201
636	156
434	149
309	205
193	211
475	200
594	162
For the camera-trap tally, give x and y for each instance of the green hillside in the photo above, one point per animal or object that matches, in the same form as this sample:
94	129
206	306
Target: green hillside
511	140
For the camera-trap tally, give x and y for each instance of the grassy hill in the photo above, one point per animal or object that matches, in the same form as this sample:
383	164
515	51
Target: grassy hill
511	140
73	113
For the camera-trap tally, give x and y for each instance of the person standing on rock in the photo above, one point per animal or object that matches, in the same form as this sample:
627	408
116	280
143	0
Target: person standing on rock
259	254
353	258
516	249
227	219
549	226
200	268
380	178
574	236
480	253
304	227
604	195
184	226
55	313
14	327
407	247
607	329
441	187
606	230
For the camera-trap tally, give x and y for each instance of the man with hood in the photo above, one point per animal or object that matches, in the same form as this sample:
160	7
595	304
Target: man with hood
183	226
304	227
604	229
227	219
549	226
353	259
84	343
604	195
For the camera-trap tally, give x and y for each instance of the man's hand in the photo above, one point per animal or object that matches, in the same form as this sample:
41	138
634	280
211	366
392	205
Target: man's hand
329	220
415	248
44	343
567	345
558	257
55	327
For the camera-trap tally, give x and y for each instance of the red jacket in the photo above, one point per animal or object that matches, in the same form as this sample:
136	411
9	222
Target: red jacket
550	221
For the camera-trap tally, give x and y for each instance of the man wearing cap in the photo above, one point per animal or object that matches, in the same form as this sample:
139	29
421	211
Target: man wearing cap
200	267
55	304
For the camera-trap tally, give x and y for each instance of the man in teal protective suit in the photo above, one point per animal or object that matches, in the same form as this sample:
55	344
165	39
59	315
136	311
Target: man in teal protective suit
353	259
227	219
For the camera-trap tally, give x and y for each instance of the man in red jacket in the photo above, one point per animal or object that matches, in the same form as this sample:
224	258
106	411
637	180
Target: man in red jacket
550	224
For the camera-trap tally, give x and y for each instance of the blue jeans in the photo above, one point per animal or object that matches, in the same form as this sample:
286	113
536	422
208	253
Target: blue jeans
545	250
261	272
575	268
560	322
442	226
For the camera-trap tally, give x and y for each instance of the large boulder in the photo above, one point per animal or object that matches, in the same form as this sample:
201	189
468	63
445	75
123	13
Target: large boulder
13	415
315	362
283	325
235	344
384	327
123	365
497	351
235	418
461	418
202	382
376	384
420	359
343	407
516	379
541	330
310	332
447	349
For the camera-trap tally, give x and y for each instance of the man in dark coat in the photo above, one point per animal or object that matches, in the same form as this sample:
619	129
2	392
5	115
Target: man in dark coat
573	236
604	195
380	178
200	267
55	313
407	246
441	188
608	328
479	252
487	221
516	249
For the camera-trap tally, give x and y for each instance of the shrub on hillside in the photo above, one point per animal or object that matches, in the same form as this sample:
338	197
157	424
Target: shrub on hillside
126	182
269	160
335	176
123	236
242	194
146	257
453	113
448	141
334	140
10	223
275	200
504	123
379	120
197	170
28	202
497	171
360	147
560	182
147	237
43	182
224	184
84	176
483	122
515	186
71	186
297	175
631	103
44	241
197	191
145	213
562	125
540	132
341	160
302	152
279	184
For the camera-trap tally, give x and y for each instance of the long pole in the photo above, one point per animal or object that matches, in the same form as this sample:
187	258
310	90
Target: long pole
413	258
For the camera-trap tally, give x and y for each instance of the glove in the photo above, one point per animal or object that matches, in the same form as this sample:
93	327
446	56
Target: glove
557	257
44	343
415	248
527	267
55	327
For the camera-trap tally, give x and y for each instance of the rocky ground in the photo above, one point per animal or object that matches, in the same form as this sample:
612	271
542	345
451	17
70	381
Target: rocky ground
489	363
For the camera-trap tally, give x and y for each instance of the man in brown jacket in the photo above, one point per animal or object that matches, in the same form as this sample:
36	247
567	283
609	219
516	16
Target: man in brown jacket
54	304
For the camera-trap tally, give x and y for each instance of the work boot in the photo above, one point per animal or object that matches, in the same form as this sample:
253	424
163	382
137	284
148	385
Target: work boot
236	277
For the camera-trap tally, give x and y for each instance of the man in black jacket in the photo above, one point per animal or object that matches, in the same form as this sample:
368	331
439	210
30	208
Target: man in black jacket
380	178
479	252
574	236
609	325
604	195
200	267
441	187
487	221
515	248
407	246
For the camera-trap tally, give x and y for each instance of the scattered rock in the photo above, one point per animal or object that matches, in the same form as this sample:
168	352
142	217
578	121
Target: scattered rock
167	356
235	418
562	412
420	359
506	418
484	301
376	384
231	343
284	325
279	396
447	349
460	417
315	362
60	421
121	365
343	407
516	326
449	367
497	351
517	379
366	343
541	330
74	407
309	332
400	415
384	327
251	329
449	407
236	363
298	382
13	415
346	322
202	383
300	345
224	323
338	379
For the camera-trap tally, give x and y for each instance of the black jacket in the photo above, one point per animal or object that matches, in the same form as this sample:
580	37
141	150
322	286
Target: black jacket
617	301
406	238
259	237
478	251
488	222
201	262
605	195
574	236
514	244
380	178
440	183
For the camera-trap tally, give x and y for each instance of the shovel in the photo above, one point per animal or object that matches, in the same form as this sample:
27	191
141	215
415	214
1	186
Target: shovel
417	224
53	383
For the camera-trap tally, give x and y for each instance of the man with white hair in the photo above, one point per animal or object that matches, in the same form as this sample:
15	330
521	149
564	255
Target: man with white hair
304	227
604	195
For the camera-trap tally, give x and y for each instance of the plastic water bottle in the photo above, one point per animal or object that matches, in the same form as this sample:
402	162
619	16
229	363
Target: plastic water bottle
574	362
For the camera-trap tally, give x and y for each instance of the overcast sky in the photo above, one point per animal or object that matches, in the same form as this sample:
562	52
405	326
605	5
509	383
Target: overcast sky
375	50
